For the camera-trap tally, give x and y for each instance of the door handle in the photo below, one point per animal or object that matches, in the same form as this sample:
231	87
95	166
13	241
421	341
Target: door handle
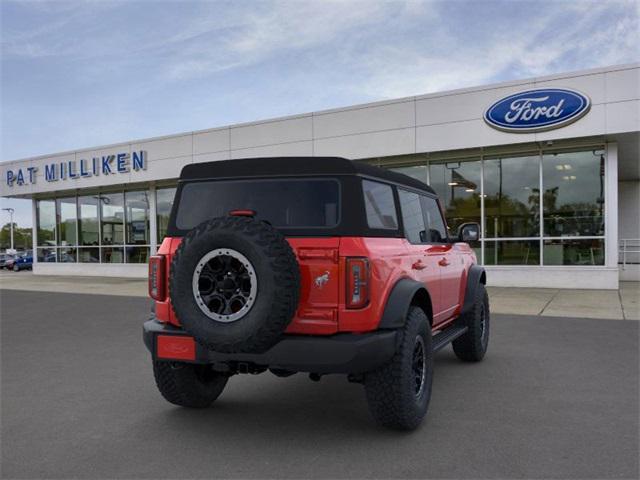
418	265
444	262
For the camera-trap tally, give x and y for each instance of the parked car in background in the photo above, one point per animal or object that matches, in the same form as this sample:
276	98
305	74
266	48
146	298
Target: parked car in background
22	262
4	258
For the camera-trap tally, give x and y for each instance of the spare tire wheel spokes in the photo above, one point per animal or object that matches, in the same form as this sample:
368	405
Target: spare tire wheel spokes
225	285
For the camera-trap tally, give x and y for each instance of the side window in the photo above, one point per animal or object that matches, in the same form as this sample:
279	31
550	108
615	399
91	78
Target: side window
412	217
379	204
436	230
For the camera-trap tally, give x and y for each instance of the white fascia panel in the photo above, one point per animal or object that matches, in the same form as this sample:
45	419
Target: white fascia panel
363	120
271	133
367	145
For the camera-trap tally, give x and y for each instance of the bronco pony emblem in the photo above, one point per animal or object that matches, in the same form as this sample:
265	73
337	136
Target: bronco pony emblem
322	279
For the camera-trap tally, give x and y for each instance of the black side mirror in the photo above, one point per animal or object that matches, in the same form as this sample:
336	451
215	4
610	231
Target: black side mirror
469	232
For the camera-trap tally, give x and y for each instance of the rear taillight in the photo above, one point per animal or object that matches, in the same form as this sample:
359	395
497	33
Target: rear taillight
357	282
156	277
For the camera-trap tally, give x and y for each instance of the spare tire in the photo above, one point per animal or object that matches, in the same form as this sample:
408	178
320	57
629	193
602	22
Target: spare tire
235	284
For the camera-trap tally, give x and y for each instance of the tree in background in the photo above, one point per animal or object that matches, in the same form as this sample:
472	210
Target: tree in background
22	237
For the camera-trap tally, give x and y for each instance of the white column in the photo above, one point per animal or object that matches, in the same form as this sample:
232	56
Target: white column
34	233
611	205
153	220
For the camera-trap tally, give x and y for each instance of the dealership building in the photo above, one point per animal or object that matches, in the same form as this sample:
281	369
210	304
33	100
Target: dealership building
549	166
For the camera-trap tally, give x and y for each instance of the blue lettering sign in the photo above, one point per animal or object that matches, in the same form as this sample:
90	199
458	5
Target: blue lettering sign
122	163
20	177
139	161
51	172
83	170
537	110
10	178
72	169
106	164
32	174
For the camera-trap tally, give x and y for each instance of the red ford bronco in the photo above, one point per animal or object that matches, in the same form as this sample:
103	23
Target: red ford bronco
318	265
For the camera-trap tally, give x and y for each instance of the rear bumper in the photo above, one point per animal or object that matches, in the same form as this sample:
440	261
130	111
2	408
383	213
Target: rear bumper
340	353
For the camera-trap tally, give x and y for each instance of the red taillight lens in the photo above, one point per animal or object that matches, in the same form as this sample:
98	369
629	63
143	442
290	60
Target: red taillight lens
357	282
157	277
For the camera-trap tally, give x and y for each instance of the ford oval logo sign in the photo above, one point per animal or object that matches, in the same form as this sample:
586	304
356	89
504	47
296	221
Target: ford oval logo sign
537	110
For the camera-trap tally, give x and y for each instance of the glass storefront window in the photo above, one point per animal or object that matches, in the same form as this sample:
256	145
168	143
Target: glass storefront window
112	254
46	255
137	254
137	217
512	197
46	218
164	201
574	251
112	218
88	221
512	252
573	198
67	221
458	187
66	255
89	255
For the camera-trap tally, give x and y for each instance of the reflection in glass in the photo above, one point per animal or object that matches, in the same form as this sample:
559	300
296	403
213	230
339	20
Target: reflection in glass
88	220
458	187
512	252
137	216
67	220
419	172
137	254
66	255
512	197
46	255
164	201
573	251
46	218
112	254
89	255
573	198
112	218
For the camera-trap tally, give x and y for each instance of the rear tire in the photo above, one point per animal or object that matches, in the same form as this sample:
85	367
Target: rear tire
188	385
472	346
398	394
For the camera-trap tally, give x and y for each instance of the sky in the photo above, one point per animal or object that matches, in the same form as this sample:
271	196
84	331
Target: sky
87	73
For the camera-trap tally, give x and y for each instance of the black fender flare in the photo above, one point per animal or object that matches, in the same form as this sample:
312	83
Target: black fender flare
400	299
475	277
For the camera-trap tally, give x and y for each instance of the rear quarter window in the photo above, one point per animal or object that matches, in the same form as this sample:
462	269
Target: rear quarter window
380	205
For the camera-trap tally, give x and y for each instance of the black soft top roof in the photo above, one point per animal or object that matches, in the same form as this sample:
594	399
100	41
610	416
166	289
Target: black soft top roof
294	166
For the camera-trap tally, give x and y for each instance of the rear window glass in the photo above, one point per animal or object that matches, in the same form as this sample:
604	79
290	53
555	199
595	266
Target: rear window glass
379	204
284	203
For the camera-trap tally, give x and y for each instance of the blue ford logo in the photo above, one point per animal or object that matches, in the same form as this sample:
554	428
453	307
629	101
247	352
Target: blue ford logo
537	110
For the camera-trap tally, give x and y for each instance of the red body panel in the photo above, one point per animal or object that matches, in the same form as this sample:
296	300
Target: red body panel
322	310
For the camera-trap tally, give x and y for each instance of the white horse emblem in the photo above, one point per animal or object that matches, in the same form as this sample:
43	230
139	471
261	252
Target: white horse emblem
322	279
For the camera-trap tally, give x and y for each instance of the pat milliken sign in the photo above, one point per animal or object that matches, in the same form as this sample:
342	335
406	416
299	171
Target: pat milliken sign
537	110
105	165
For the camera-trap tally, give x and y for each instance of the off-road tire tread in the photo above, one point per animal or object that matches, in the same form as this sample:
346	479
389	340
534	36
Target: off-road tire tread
390	402
181	386
468	347
283	263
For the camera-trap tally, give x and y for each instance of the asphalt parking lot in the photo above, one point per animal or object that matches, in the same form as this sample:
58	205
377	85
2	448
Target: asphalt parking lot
555	398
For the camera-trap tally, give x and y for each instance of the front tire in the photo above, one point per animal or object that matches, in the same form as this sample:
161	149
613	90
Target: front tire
472	346
188	385
398	394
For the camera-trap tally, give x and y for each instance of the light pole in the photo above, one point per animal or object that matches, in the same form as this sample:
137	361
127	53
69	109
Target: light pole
10	210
